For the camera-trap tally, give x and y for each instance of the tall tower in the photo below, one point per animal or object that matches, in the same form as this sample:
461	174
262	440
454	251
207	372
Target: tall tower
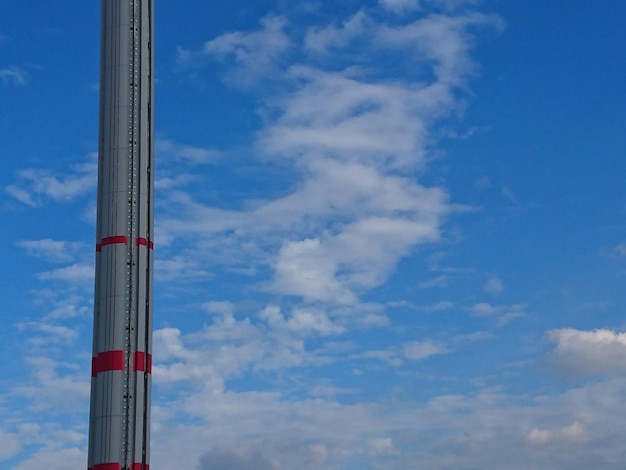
119	423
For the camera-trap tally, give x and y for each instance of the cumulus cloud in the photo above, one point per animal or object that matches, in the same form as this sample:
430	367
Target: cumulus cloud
302	321
53	458
487	429
580	352
223	458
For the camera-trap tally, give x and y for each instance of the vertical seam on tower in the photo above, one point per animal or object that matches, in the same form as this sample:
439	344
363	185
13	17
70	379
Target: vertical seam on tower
132	138
147	307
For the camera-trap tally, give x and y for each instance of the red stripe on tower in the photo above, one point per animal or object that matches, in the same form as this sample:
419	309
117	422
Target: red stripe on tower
108	466
140	466
140	364
144	242
109	361
115	240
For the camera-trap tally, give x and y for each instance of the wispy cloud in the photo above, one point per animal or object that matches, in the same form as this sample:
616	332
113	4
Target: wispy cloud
493	285
36	184
54	250
253	56
168	149
401	6
418	350
10	445
13	75
75	274
573	432
501	315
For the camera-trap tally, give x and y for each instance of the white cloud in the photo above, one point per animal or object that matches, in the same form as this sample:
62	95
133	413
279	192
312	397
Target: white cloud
21	195
240	458
382	446
304	321
501	315
54	250
35	184
55	385
52	333
322	40
13	75
304	269
76	274
254	55
179	268
580	352
360	257
444	40
375	320
354	137
168	149
54	459
10	445
418	350
229	346
574	432
350	119
451	5
401	5
439	281
168	182
58	305
493	285
620	249
223	307
487	430
439	306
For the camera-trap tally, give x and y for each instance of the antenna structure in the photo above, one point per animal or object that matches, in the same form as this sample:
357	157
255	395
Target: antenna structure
119	422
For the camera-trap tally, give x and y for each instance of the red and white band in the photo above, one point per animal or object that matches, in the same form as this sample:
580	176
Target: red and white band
123	240
107	361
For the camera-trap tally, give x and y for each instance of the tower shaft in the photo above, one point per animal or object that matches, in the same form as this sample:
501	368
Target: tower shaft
119	424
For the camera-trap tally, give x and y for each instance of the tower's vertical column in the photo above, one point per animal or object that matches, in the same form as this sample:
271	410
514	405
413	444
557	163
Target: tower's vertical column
122	357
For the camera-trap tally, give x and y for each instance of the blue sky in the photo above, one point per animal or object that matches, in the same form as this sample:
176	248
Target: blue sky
390	234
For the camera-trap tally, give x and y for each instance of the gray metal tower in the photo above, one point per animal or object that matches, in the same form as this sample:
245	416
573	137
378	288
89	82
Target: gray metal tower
119	423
